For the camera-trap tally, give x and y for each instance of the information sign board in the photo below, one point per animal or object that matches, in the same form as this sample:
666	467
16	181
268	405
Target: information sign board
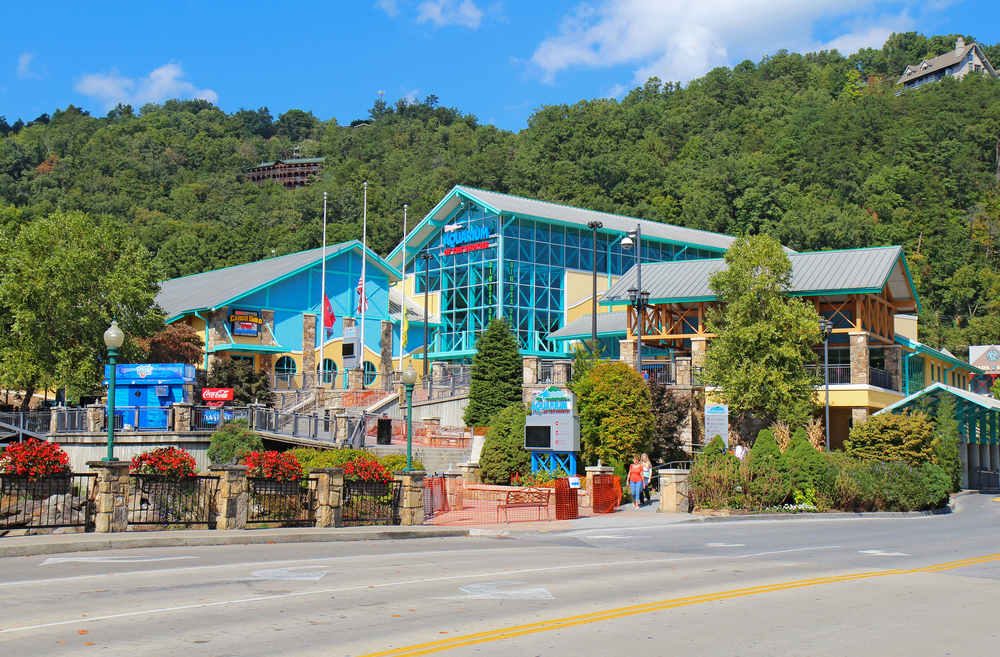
717	422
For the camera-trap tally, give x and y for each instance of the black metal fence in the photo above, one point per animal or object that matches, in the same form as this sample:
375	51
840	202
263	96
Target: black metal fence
159	500
58	501
287	503
296	425
71	420
370	503
211	418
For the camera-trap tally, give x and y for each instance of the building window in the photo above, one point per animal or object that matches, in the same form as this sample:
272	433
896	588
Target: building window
329	372
242	358
285	368
979	68
370	372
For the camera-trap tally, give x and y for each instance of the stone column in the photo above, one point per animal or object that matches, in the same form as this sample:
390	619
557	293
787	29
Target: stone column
699	347
674	491
386	345
411	497
95	417
628	352
54	420
455	490
329	493
682	369
470	472
563	371
267	339
894	365
217	334
859	414
340	419
308	349
182	416
111	505
231	500
859	358
356	378
530	370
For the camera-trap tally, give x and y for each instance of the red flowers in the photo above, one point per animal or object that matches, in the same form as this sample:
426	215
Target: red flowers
34	459
169	461
366	470
282	466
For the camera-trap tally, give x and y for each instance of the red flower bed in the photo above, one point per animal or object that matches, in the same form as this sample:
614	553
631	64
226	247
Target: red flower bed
282	466
366	470
34	459
168	461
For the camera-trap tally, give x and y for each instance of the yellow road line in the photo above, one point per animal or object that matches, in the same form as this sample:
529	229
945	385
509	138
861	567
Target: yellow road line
562	623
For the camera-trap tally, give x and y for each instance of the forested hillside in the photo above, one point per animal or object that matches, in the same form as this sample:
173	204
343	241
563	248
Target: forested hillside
815	149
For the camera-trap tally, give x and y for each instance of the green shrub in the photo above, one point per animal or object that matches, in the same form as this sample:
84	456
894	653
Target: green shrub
233	441
877	486
946	446
715	476
809	471
798	436
939	483
311	459
767	477
890	437
616	420
397	462
503	450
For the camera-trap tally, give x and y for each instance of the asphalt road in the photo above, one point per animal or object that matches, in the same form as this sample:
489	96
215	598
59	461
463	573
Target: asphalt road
879	586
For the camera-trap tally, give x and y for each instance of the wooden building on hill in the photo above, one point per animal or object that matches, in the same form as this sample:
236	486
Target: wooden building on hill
290	173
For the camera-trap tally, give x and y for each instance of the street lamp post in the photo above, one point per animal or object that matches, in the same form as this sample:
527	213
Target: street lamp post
594	225
638	296
426	257
409	378
826	328
113	339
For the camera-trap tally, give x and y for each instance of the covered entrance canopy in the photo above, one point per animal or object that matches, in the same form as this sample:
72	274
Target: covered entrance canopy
978	427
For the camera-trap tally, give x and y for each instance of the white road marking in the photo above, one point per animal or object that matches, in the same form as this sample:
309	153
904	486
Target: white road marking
883	553
725	545
488	591
616	536
109	559
287	574
362	587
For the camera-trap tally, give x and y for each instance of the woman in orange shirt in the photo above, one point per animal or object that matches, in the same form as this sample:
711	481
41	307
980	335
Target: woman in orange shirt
635	480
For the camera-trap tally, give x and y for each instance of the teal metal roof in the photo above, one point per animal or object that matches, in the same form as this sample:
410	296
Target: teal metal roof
970	409
301	160
581	328
921	348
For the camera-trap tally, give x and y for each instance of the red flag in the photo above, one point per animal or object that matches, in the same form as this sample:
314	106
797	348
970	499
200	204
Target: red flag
328	317
362	299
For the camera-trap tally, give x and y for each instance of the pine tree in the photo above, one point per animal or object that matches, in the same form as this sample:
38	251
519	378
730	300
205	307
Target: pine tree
496	374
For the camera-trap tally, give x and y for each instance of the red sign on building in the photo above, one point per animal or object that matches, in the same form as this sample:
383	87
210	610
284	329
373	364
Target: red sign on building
217	394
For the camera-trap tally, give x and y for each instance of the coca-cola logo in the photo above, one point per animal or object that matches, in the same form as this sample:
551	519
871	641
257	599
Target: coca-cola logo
218	394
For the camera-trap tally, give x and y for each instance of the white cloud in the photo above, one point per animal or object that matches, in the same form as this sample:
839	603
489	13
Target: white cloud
390	7
682	40
450	12
24	67
161	84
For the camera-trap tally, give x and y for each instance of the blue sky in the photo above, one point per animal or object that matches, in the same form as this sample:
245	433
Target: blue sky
497	60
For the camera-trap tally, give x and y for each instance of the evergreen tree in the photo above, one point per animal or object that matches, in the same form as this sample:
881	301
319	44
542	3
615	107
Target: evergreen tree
503	451
946	454
496	374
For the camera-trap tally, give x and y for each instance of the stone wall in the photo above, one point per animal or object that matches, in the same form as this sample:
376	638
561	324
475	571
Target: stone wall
308	346
860	362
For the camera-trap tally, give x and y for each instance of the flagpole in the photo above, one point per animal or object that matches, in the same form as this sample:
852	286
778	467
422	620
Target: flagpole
322	302
362	299
402	315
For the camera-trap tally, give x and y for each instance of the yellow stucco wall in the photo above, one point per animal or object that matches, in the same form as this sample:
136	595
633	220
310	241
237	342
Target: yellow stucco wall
579	290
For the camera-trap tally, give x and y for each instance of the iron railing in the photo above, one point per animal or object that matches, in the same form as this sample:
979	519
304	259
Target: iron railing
296	425
212	417
160	500
839	374
661	372
880	378
31	421
71	420
55	501
287	503
455	381
371	503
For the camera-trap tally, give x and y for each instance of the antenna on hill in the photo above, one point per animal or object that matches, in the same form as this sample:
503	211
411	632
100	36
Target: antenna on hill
381	95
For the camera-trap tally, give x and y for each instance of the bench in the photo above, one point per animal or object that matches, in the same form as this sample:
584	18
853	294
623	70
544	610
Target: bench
525	498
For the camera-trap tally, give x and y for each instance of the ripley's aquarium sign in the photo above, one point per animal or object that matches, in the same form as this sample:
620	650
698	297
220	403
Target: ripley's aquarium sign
552	401
464	240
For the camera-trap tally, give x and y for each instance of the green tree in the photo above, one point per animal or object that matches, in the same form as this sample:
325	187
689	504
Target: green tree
63	278
946	453
249	387
907	437
616	420
497	371
671	411
233	442
503	450
176	343
764	338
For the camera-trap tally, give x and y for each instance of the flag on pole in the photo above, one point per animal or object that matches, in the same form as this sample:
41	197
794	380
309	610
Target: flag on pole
328	317
362	299
404	330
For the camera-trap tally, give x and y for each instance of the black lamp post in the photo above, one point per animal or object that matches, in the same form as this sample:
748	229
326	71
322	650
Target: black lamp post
409	378
826	328
113	339
638	296
426	257
594	225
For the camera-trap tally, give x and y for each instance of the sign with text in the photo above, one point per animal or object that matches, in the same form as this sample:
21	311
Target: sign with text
217	394
246	323
717	422
553	425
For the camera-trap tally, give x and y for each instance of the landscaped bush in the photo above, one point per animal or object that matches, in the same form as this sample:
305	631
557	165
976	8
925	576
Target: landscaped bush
34	459
310	459
939	484
397	462
503	450
170	462
946	446
366	469
715	476
767	476
879	486
282	466
812	483
890	437
233	441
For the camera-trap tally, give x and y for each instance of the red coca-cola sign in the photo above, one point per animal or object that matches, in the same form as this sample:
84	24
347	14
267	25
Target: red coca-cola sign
217	394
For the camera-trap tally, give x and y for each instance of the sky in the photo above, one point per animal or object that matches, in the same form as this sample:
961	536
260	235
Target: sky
499	60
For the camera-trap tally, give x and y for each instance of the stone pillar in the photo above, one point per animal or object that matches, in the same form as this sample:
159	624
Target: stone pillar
682	369
217	332
595	471
563	371
674	491
439	370
340	420
699	347
386	345
111	505
308	349
231	500
182	416
54	420
355	378
628	352
530	370
329	493
266	361
894	365
95	417
470	472
454	490
859	414
859	358
411	497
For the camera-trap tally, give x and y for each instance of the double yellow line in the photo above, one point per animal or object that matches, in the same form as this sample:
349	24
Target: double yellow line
562	623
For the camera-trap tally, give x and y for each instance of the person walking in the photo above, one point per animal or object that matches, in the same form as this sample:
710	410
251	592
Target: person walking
645	496
635	480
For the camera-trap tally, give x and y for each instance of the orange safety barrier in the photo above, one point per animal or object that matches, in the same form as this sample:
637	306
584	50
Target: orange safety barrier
452	501
607	493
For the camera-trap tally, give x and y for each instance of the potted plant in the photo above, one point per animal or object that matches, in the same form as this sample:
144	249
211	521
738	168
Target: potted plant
164	468
35	468
272	469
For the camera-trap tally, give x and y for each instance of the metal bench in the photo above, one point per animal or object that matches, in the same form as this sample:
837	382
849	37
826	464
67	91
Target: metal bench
524	498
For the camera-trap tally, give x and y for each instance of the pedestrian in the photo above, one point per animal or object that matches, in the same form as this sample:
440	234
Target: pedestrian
741	449
647	475
635	480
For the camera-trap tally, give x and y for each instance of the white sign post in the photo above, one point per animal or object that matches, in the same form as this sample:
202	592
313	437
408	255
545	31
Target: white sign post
717	422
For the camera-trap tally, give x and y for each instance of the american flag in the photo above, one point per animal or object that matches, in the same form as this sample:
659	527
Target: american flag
362	299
